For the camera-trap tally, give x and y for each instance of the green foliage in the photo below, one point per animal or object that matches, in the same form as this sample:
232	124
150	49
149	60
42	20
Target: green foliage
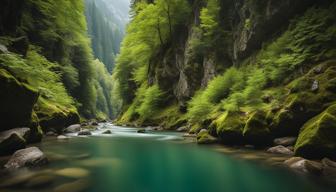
60	30
152	97
40	74
310	38
152	26
106	30
199	108
209	18
221	86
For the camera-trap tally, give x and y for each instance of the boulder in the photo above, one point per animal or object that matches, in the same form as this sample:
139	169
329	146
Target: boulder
280	150
141	131
106	132
16	100
73	128
10	143
328	163
29	157
229	127
51	133
203	137
22	132
285	141
256	130
182	129
94	123
62	137
305	166
84	133
329	167
317	137
53	116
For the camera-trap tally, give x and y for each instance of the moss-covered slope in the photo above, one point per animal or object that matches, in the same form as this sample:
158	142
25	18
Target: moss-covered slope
248	72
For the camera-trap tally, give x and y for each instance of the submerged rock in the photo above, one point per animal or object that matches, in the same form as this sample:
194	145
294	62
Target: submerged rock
280	150
40	181
73	128
73	172
29	157
285	141
203	137
84	133
76	186
62	137
305	166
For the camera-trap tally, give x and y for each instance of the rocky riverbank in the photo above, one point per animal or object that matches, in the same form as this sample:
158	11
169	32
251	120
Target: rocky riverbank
17	145
282	148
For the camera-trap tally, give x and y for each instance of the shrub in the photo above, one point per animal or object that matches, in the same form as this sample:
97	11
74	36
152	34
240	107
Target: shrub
221	86
199	108
152	98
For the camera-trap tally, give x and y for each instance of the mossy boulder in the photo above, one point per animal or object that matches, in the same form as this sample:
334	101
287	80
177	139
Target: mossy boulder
302	103
229	127
55	117
317	136
16	100
203	137
36	131
256	130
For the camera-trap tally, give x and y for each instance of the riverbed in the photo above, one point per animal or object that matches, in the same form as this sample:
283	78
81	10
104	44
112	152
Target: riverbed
127	161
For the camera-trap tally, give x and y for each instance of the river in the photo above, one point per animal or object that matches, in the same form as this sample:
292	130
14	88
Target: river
127	161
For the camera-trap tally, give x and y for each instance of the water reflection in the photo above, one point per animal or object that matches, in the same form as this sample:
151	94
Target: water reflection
126	161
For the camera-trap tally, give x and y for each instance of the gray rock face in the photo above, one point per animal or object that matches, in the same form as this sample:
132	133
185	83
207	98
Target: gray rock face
84	133
73	128
305	166
315	86
251	29
3	49
285	141
209	67
29	157
280	150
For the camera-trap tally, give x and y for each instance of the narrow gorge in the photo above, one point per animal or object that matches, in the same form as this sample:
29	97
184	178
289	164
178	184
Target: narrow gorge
168	95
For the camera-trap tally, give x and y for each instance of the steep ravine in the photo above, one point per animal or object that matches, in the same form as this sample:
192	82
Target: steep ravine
247	72
79	112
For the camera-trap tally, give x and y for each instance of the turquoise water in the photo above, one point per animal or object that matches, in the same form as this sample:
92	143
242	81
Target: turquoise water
127	161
